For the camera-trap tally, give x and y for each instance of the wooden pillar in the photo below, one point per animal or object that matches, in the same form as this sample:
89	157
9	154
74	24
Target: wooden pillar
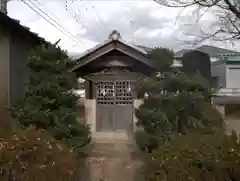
90	89
86	87
5	118
90	105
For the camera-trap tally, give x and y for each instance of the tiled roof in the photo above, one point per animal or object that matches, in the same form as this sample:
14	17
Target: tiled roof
216	51
181	52
7	21
106	42
147	49
212	51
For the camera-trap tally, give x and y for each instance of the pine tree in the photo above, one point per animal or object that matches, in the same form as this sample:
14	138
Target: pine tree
175	103
49	101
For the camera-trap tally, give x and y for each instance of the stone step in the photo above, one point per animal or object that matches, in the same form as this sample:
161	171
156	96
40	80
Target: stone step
112	137
110	149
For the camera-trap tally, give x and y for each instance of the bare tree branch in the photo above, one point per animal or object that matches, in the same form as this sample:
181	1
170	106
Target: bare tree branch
232	8
178	16
226	27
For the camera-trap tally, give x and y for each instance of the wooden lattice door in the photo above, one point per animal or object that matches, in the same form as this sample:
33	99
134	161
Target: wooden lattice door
114	105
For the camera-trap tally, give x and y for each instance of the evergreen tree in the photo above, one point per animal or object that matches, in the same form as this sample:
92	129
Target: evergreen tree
49	102
174	102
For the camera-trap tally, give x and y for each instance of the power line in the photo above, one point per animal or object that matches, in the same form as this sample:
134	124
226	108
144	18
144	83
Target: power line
47	10
69	9
104	25
102	29
74	38
98	16
89	30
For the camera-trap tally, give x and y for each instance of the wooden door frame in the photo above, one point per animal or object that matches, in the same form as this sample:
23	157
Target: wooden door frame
114	107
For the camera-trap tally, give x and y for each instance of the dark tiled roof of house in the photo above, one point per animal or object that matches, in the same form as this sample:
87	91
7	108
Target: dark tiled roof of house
181	52
147	49
15	25
216	51
212	51
136	47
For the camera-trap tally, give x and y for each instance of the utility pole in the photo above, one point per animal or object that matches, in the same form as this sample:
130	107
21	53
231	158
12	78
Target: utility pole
3	6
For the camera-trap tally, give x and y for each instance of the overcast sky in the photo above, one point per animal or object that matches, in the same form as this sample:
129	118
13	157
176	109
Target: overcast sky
142	22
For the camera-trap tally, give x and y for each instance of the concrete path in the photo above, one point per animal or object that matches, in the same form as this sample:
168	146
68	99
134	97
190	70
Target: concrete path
112	157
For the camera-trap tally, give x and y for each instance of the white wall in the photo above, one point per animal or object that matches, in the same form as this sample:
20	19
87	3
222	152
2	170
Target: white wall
233	76
90	114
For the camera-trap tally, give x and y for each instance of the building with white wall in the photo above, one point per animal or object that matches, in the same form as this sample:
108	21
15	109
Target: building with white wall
226	77
225	74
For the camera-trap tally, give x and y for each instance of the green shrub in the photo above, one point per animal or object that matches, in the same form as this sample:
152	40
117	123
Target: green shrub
49	102
211	121
196	157
146	142
31	156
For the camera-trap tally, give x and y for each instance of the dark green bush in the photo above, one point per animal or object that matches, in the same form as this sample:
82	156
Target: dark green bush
211	121
196	157
30	155
49	102
176	103
146	142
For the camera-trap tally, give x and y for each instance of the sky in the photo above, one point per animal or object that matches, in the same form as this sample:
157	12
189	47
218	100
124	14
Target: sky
86	23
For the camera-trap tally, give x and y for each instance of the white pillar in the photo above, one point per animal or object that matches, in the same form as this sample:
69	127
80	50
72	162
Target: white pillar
221	109
90	114
136	104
